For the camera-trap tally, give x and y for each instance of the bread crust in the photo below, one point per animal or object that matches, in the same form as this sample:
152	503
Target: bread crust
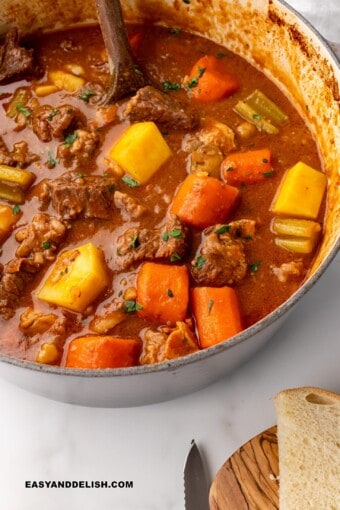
305	390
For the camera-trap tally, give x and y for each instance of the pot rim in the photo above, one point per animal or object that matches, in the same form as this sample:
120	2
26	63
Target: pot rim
203	354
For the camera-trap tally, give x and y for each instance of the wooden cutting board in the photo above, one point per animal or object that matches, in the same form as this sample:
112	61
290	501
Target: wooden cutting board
248	479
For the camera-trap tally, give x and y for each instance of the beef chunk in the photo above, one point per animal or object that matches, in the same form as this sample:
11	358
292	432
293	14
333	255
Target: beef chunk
38	244
78	147
138	244
19	156
220	259
76	195
92	93
208	146
168	343
129	206
218	134
49	122
12	286
40	238
241	229
289	271
14	59
150	104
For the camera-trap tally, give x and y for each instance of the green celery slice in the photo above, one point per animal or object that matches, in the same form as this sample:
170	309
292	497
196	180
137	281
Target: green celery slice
297	244
253	117
21	96
12	194
295	227
266	107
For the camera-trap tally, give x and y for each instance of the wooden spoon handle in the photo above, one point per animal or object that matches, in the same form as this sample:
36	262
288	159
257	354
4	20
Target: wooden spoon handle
125	76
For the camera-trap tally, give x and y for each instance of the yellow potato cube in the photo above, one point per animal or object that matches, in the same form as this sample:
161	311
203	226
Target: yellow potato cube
300	193
66	81
141	151
8	218
45	90
77	278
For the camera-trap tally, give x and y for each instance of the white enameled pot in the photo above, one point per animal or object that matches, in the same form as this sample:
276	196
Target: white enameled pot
276	40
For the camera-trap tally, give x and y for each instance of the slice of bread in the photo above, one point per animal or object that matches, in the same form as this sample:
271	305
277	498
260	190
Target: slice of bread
308	429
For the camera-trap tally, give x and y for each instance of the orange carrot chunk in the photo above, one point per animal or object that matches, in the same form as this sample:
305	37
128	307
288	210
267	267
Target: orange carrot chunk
202	201
217	314
210	80
163	292
103	352
247	167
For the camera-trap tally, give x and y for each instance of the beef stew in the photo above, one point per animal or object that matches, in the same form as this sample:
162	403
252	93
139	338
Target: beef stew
123	226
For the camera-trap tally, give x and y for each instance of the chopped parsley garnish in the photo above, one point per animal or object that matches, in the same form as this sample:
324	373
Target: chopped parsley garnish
223	229
170	293
191	84
170	85
254	266
175	31
264	160
130	182
268	174
210	305
256	116
138	71
16	209
111	188
46	245
186	1
70	139
21	109
200	261
52	161
80	175
175	232
52	114
175	257
230	169
220	54
134	241
131	306
86	94
200	71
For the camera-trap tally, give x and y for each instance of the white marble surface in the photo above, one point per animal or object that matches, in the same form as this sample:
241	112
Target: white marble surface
46	440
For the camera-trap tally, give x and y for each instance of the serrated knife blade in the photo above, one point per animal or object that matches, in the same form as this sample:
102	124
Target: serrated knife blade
196	493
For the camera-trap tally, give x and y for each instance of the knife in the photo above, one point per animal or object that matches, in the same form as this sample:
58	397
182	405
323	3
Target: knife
196	494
